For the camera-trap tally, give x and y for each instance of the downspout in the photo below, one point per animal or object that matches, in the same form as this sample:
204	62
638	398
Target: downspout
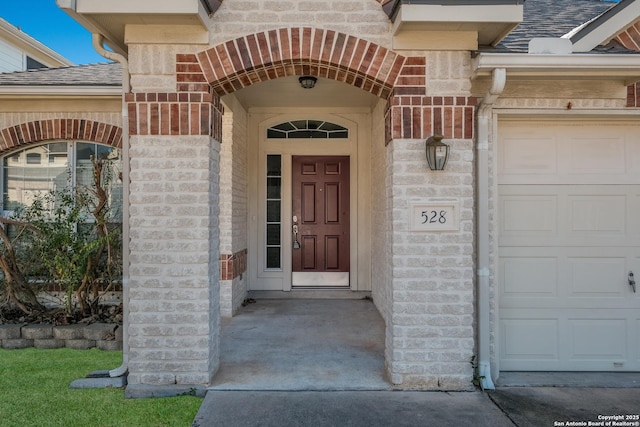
98	41
499	78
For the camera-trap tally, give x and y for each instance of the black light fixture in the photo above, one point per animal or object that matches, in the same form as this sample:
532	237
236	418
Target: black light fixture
437	153
307	82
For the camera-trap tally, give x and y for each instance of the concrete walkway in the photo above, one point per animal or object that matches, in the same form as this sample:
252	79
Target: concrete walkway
293	345
320	363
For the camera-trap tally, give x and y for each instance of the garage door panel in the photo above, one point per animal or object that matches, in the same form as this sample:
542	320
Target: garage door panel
556	153
534	154
596	277
565	215
529	277
597	213
569	233
598	339
529	214
601	155
530	339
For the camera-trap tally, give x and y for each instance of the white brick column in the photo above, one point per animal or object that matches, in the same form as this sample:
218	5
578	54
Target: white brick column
174	294
430	336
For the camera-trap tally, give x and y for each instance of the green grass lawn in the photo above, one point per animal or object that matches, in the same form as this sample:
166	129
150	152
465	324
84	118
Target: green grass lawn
34	391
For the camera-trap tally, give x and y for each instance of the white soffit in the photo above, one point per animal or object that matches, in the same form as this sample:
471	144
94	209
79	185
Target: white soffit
110	18
592	34
492	22
573	66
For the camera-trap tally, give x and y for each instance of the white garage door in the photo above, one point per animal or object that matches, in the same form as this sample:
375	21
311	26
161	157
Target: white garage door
569	215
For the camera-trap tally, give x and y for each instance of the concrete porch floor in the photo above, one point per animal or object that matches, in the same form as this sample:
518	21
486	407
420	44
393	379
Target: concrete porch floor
303	344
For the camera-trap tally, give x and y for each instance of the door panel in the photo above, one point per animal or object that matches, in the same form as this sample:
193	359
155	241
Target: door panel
320	196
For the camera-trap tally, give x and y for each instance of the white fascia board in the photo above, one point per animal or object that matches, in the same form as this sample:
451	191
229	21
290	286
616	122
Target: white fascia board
142	7
77	91
605	32
146	8
568	66
443	13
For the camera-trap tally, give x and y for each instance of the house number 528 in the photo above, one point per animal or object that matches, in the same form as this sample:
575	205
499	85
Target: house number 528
432	217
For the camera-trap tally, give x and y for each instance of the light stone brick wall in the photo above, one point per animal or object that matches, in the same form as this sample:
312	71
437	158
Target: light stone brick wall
447	72
153	66
361	18
14	118
232	295
380	286
432	334
174	302
233	199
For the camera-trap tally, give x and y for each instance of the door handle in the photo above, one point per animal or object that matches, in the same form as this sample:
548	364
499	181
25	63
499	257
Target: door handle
296	243
632	281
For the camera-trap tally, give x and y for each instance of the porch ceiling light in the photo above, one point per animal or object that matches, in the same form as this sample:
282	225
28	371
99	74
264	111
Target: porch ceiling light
437	153
307	82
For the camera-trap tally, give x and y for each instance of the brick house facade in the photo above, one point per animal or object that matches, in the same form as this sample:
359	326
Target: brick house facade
206	89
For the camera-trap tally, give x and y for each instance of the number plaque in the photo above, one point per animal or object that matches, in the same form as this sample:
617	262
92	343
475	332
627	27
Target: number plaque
439	215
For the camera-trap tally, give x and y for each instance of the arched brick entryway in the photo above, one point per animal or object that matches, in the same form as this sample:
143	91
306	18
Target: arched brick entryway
182	130
301	51
50	129
402	81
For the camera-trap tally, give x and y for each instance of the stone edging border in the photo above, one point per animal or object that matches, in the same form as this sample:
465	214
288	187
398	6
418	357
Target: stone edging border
104	336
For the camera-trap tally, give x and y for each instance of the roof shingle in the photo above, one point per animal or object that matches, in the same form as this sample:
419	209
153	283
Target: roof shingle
102	74
551	18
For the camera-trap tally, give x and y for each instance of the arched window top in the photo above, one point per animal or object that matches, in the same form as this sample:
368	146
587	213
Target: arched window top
306	129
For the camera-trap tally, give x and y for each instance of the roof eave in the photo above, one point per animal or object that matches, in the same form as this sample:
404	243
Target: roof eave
624	67
603	28
60	91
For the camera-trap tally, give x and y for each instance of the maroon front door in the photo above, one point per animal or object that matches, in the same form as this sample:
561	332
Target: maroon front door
321	215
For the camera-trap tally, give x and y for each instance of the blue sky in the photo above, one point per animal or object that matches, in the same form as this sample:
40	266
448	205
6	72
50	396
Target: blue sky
50	25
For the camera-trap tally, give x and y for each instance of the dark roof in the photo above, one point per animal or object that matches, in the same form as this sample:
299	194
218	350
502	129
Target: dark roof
552	18
103	74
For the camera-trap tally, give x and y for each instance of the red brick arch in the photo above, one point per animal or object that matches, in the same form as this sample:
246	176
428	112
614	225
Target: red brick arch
272	54
28	133
223	69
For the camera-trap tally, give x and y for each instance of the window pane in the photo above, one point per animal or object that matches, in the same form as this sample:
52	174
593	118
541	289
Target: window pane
273	211
273	257
273	234
273	188
32	173
299	124
314	124
272	133
274	167
110	178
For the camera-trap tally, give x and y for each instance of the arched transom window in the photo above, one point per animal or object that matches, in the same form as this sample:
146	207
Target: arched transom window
305	129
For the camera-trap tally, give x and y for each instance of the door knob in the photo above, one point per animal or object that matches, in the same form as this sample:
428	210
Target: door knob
632	281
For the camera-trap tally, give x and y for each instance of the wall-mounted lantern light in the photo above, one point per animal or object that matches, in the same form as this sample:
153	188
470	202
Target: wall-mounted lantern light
437	153
307	82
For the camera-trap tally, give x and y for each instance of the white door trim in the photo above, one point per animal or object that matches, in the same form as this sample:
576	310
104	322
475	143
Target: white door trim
259	148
